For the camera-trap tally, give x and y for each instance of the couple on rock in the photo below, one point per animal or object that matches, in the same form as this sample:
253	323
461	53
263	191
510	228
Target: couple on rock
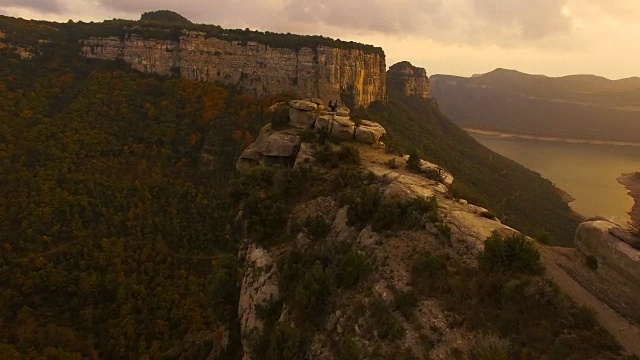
333	107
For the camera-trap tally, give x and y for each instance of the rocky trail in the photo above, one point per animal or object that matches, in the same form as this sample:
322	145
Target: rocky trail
626	333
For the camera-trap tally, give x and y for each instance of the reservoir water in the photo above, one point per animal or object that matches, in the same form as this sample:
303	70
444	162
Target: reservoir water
588	172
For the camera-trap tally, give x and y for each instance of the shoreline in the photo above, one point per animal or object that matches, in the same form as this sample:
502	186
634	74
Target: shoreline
631	181
547	138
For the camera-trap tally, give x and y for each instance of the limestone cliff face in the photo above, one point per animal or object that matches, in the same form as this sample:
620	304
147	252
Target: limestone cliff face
324	72
409	79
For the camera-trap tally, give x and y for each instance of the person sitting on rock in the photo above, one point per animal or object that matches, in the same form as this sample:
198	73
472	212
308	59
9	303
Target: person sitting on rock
330	106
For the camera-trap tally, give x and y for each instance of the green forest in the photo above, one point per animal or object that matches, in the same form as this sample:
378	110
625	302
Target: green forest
112	240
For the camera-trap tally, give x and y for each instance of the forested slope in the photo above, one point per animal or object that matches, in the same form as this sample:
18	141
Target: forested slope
112	241
521	197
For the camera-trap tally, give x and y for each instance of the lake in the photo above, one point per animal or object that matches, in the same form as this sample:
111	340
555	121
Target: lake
588	172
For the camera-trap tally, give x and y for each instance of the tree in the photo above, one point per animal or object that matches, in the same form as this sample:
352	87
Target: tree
413	162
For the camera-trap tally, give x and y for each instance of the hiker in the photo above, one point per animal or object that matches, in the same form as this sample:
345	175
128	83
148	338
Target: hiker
330	106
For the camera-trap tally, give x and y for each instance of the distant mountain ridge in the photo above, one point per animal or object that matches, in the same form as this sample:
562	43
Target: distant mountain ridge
585	107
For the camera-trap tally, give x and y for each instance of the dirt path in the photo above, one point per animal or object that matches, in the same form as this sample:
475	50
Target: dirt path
626	333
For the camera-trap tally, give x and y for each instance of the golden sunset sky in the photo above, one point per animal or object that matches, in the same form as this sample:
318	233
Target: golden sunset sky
458	37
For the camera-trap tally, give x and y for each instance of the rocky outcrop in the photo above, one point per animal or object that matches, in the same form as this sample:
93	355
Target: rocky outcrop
609	243
369	132
408	79
284	146
320	72
259	289
270	148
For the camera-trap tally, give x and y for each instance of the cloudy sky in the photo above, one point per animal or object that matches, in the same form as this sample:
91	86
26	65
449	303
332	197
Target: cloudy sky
461	37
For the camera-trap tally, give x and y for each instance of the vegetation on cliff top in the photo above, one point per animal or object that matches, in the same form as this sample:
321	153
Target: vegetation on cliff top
165	16
30	32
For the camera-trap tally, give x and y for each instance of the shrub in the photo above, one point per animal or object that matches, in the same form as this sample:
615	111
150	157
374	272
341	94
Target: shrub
591	262
285	343
384	323
280	118
363	204
488	214
513	255
434	174
405	302
346	155
349	155
487	347
307	279
391	163
317	226
413	162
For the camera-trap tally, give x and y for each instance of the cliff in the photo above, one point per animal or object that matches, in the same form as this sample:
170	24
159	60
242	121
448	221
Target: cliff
377	260
259	69
409	79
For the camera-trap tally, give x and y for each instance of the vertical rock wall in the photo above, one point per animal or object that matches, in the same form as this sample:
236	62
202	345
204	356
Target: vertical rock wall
324	72
408	79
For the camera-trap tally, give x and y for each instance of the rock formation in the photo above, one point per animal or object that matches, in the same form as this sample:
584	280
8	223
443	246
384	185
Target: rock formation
408	79
610	243
284	146
259	69
459	231
259	289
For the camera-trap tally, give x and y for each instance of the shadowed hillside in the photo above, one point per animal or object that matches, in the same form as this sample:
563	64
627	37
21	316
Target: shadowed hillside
577	106
522	197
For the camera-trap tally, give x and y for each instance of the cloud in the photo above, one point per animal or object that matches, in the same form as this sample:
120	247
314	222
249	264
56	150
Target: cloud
529	20
460	21
44	6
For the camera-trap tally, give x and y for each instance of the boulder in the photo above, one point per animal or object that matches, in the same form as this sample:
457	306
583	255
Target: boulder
369	132
343	111
324	122
277	106
343	120
301	119
270	148
342	130
316	101
428	168
596	238
305	155
303	105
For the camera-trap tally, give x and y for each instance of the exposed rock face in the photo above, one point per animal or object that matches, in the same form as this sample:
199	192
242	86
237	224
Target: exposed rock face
301	119
270	148
321	72
608	243
343	128
410	80
369	132
284	146
259	288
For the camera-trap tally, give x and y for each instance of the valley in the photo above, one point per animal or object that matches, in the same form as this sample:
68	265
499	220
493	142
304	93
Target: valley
589	172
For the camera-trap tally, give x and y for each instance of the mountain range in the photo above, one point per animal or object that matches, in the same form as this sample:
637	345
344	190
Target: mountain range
585	107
